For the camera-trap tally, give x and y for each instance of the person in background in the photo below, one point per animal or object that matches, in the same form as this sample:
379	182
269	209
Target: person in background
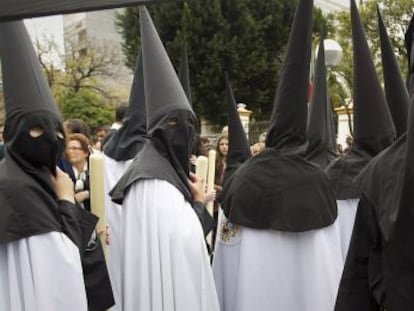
94	267
77	126
72	126
77	153
100	134
222	148
120	113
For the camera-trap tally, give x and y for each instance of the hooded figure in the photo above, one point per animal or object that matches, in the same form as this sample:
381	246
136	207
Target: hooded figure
373	132
224	265
41	239
164	259
119	153
364	284
321	135
395	89
282	205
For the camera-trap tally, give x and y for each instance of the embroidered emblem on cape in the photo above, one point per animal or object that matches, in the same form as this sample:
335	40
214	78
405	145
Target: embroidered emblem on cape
229	233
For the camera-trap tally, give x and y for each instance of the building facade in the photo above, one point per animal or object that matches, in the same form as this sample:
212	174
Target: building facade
328	6
98	28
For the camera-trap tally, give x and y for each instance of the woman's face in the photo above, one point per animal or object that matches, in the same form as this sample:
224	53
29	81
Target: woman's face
75	152
224	146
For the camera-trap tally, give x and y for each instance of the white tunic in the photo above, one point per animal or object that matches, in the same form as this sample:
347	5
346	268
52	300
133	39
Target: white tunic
271	270
346	216
41	273
165	261
113	172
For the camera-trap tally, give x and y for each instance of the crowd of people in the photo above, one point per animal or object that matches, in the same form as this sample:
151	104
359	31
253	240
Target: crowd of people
297	225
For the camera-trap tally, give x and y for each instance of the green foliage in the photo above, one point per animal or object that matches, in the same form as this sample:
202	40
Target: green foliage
85	105
396	15
246	38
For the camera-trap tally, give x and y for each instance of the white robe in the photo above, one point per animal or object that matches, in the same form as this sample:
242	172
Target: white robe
41	273
113	172
271	270
346	216
165	261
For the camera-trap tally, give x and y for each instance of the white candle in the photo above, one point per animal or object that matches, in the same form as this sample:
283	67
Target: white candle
210	178
201	171
97	192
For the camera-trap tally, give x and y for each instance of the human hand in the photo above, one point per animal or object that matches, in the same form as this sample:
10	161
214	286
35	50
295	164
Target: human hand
195	187
210	196
81	196
63	186
107	234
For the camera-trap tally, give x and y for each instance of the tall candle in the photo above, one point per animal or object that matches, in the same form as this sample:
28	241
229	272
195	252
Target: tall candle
201	171
97	192
210	178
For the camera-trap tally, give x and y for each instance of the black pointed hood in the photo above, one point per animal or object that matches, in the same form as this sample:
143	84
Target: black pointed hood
373	126
184	72
321	148
263	192
170	120
288	122
163	90
239	149
400	254
395	88
126	142
409	45
29	104
25	87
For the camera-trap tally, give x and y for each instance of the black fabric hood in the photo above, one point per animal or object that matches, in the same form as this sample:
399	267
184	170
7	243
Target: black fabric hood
321	136
263	192
239	149
29	161
395	88
409	45
126	142
184	72
373	132
170	120
400	254
288	121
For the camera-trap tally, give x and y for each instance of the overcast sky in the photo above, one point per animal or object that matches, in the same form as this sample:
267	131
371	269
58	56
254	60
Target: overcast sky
50	26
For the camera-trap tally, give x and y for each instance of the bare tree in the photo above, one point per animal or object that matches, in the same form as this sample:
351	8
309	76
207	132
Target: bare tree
88	63
85	65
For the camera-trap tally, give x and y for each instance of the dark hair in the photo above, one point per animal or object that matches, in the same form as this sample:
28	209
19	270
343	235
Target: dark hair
120	113
77	126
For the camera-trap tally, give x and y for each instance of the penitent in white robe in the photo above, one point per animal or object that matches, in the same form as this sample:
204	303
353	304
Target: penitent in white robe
271	270
346	217
165	261
113	172
41	273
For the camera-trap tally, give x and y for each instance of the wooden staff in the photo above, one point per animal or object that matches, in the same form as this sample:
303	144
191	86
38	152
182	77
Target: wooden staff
97	193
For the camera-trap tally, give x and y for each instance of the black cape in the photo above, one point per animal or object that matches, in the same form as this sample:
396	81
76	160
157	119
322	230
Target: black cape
279	191
150	164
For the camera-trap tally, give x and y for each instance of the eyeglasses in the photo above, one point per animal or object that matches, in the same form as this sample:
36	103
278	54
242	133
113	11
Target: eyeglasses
74	148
